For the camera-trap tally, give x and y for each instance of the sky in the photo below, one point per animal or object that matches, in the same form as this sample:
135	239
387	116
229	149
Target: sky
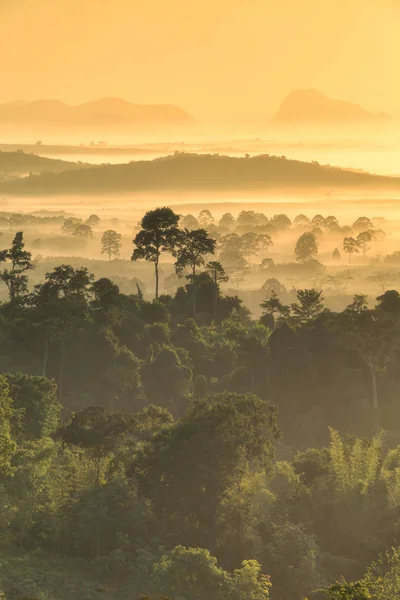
221	60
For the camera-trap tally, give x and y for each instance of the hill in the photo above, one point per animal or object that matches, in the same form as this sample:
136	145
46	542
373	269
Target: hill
107	111
312	106
18	163
196	172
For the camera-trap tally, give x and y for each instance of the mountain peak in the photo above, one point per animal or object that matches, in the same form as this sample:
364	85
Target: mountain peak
310	106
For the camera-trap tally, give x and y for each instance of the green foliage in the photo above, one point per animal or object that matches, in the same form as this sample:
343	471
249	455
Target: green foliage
347	591
193	574
34	400
7	445
21	261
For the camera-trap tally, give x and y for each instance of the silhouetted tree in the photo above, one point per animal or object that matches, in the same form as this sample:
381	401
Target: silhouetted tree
111	243
159	234
21	261
218	275
83	231
306	247
351	246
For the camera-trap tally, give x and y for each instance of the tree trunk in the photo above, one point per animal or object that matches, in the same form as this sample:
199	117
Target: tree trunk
46	356
194	291
156	269
61	374
375	397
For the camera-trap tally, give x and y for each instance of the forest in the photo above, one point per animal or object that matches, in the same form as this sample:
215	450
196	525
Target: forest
192	171
171	443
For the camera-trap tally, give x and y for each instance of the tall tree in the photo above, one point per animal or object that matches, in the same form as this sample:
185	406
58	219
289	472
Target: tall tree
351	246
309	305
264	243
205	218
21	261
193	247
218	275
159	234
363	239
111	243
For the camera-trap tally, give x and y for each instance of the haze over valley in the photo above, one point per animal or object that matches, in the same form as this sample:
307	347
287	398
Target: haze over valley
199	300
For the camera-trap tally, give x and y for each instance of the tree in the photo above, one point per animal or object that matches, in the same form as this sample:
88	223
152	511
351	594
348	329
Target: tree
8	447
332	223
190	574
351	246
363	239
382	278
159	234
93	221
97	431
252	353
373	335
336	254
363	224
301	222
61	306
193	574
273	306
382	579
273	285
227	221
264	243
281	221
35	399
205	218
21	261
83	231
250	243
192	248
318	221
309	306
306	247
167	380
190	222
218	275
220	437
347	591
70	224
111	243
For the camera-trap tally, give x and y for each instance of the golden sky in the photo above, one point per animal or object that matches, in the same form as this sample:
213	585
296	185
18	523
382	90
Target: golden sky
219	59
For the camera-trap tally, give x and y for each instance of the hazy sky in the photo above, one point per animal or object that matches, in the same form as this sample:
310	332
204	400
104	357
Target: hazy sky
219	59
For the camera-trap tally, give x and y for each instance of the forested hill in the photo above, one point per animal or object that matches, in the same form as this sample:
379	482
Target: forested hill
197	172
21	163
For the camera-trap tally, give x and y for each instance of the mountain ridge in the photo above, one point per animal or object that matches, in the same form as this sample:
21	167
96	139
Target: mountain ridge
111	110
309	105
196	172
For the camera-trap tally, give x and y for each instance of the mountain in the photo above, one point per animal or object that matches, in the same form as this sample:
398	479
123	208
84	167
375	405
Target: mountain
107	111
18	163
195	172
313	107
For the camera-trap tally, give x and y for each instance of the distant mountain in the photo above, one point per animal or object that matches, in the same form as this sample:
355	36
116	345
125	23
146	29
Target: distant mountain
107	111
195	172
313	107
18	163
